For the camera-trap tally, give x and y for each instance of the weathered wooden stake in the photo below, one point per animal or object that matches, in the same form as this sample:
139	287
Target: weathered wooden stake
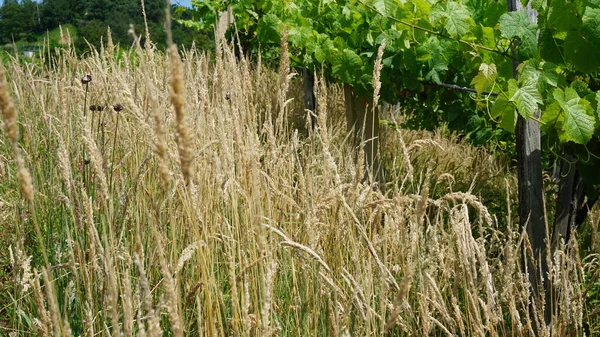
308	80
363	123
532	214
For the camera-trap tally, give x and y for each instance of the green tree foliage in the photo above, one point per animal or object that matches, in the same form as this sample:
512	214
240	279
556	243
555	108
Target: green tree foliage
119	15
24	19
18	20
60	12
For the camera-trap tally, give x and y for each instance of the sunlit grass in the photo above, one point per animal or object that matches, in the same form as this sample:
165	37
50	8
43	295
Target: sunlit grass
263	230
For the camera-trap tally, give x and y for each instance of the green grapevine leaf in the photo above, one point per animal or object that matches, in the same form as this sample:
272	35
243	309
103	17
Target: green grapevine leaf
455	16
435	53
501	106
591	21
301	37
269	28
487	37
579	122
385	7
526	98
323	48
347	66
486	77
551	48
581	88
564	15
420	8
493	11
509	120
504	109
582	47
528	74
519	25
552	118
549	74
438	66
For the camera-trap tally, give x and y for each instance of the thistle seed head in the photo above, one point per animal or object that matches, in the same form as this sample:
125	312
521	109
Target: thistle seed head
85	79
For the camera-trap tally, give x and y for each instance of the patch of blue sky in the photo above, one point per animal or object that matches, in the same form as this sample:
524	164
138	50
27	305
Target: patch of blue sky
186	3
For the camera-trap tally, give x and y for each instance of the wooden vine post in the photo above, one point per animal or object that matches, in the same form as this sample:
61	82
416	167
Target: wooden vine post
363	123
310	103
531	199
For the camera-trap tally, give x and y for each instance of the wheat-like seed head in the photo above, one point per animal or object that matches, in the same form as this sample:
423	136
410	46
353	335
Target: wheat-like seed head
23	176
153	324
95	160
172	298
64	164
178	99
284	69
127	301
45	324
52	303
161	141
110	46
9	115
377	74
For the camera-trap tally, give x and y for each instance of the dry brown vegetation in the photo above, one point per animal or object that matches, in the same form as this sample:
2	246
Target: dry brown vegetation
220	218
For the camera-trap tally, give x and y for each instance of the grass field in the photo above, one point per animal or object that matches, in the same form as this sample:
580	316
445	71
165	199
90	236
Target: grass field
205	208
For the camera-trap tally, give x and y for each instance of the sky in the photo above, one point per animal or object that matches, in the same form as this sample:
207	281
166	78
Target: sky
186	3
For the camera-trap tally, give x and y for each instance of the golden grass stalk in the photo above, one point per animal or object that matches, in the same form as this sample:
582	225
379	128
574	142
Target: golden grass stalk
110	46
127	302
24	177
161	139
284	81
177	99
52	303
377	75
9	115
307	250
148	44
172	297
45	325
65	166
95	159
152	318
111	272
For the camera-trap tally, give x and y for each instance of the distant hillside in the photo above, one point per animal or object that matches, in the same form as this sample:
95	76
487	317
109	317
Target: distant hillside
28	23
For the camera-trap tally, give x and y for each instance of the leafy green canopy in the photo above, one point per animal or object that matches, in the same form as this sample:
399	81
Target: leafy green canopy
467	43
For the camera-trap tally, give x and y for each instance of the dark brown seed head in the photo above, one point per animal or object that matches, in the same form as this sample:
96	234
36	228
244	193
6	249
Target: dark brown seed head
99	108
86	79
93	107
227	96
118	107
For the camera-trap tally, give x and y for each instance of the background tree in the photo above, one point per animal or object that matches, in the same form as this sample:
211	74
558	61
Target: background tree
91	18
18	20
60	12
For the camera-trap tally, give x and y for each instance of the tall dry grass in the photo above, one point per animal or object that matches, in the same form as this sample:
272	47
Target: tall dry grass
255	228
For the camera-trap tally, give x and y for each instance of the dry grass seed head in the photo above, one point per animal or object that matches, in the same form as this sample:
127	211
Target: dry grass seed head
172	297
95	159
45	324
24	177
178	99
9	115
